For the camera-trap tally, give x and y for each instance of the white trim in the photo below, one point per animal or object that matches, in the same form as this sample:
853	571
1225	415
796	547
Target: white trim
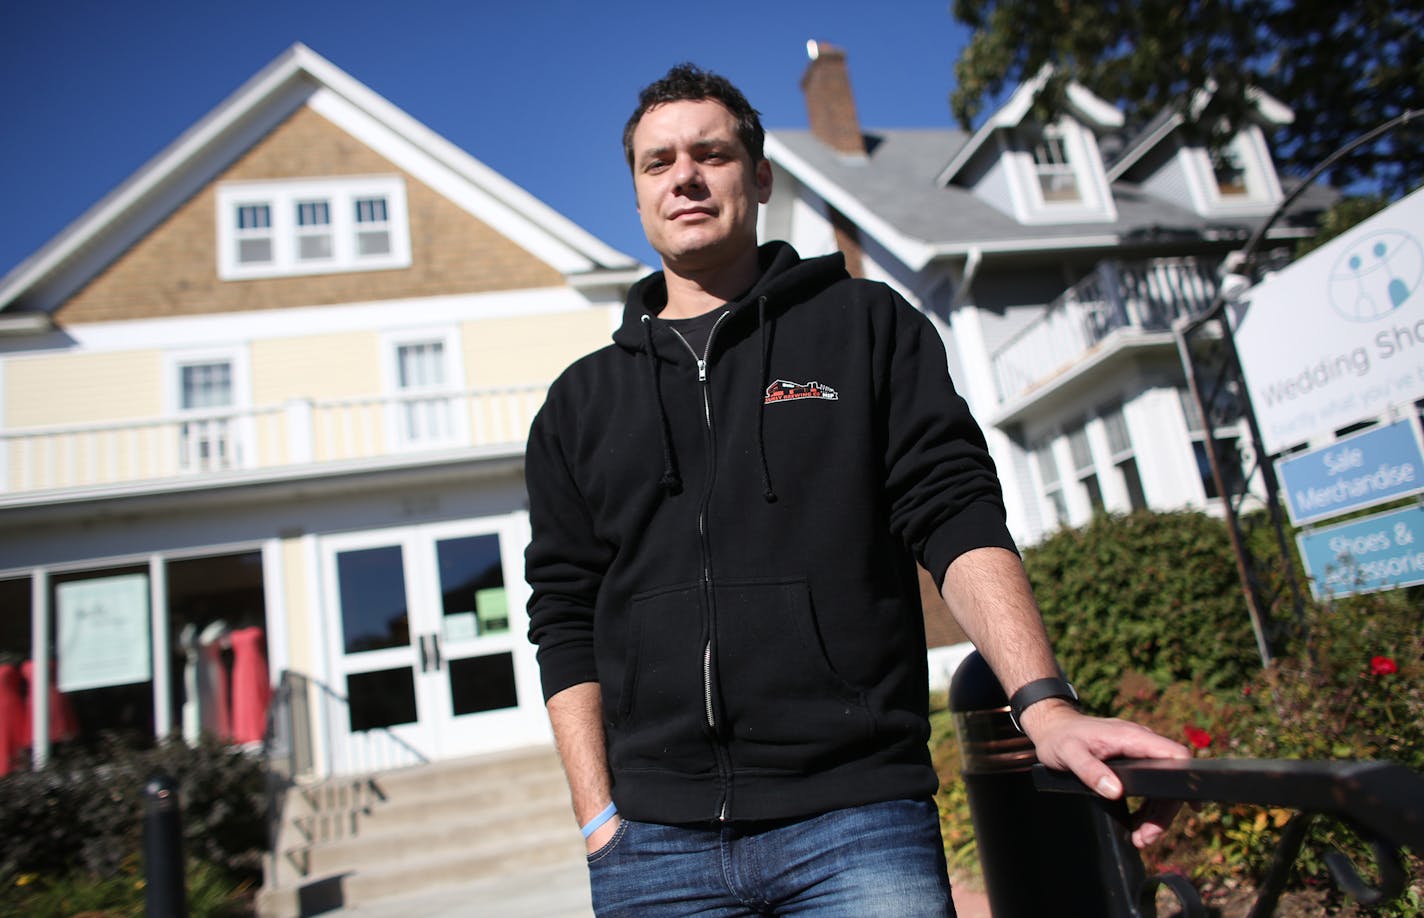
159	639
274	578
220	329
283	196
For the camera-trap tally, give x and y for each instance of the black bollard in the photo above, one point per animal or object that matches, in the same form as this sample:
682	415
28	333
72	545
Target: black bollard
1039	851
165	892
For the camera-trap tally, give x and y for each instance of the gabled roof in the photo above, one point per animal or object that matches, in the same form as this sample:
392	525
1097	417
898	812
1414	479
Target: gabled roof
1082	104
893	196
1267	110
299	76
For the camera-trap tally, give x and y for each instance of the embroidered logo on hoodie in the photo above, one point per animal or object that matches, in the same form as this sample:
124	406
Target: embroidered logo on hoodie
783	390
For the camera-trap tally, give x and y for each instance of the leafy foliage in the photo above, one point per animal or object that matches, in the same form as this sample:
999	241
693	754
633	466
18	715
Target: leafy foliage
79	822
1137	594
1343	68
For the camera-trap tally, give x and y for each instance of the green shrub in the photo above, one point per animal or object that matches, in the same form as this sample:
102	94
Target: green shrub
1155	594
79	821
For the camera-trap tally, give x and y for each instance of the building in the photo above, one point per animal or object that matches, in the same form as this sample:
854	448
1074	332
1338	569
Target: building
1053	258
262	422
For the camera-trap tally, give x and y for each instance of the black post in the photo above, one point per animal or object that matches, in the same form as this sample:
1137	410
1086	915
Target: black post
165	893
1039	852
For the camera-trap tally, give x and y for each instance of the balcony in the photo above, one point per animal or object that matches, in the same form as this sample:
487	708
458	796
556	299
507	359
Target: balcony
1123	299
300	436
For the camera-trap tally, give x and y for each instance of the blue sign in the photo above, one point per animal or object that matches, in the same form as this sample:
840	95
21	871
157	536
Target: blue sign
1353	473
1379	552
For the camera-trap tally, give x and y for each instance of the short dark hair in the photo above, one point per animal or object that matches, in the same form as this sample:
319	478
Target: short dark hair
690	83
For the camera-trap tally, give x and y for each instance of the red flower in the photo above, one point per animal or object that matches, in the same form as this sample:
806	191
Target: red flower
1383	666
1199	738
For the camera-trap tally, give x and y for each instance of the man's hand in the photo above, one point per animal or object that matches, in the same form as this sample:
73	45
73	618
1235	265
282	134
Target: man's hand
1070	741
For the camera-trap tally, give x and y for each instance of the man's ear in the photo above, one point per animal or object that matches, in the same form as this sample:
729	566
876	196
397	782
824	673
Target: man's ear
763	181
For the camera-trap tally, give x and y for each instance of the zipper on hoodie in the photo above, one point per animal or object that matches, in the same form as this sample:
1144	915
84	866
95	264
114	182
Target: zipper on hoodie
710	710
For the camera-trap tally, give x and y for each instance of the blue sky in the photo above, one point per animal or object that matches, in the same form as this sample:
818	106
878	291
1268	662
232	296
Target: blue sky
537	90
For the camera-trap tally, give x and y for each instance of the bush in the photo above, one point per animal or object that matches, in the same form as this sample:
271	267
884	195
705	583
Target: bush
80	820
1152	594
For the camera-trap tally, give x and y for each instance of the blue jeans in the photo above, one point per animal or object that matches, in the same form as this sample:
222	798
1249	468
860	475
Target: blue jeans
883	860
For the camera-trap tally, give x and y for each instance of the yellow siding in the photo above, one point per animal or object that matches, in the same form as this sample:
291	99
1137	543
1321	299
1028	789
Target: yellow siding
82	388
531	349
316	367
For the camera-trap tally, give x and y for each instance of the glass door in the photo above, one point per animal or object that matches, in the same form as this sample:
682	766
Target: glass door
432	650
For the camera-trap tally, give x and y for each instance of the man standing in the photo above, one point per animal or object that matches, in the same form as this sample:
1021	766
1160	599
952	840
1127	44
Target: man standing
727	506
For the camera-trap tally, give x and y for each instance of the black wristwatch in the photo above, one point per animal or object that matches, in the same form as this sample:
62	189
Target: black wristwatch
1036	691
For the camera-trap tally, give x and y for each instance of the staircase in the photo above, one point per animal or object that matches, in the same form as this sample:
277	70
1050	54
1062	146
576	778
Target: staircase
359	841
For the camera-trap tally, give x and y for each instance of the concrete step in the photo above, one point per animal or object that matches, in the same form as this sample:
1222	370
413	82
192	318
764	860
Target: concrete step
356	840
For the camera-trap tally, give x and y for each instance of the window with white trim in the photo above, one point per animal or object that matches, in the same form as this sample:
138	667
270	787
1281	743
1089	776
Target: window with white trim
1052	485
1229	170
424	375
205	397
1057	180
312	226
1084	469
1228	441
1124	457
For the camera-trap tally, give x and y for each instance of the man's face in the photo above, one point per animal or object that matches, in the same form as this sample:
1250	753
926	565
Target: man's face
696	185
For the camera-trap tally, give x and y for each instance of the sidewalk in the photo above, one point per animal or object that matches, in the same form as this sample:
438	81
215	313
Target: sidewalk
559	892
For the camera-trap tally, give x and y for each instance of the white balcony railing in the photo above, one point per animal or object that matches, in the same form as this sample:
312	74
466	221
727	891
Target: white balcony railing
1147	296
301	432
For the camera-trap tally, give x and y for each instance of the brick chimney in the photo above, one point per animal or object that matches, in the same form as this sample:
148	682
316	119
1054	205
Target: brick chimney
829	104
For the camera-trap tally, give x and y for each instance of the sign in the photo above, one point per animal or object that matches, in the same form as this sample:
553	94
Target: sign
1379	552
1353	473
1339	335
103	632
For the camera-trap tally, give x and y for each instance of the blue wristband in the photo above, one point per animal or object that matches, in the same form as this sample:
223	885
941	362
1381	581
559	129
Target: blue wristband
592	825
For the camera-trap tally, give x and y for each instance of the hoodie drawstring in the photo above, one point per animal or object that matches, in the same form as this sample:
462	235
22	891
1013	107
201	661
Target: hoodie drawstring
768	493
671	482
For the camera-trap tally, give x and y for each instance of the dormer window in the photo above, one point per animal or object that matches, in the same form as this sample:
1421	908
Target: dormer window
1229	170
1056	178
311	226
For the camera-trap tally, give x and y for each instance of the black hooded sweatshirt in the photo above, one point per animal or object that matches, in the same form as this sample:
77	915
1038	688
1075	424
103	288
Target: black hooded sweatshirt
726	543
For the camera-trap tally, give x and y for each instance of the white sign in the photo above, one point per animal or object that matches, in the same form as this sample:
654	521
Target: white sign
1339	336
103	632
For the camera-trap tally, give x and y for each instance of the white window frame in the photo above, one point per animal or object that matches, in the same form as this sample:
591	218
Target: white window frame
231	426
438	406
1079	149
283	199
1050	138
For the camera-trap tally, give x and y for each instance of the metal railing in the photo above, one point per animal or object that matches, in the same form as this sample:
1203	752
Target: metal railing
299	432
1145	295
1076	847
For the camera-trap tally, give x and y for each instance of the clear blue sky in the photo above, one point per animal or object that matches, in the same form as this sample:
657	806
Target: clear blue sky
536	89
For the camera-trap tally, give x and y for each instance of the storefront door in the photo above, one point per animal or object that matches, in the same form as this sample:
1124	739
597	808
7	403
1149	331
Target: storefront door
427	632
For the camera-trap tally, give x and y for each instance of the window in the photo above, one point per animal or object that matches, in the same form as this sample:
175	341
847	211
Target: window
1229	170
1052	486
311	226
1056	178
424	401
205	394
1123	457
1227	444
254	234
313	231
1084	469
373	233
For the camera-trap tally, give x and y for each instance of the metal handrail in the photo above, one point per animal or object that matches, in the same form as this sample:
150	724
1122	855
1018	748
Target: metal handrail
1383	802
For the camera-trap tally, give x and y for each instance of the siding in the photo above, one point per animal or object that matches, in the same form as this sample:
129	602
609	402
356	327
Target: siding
530	349
82	388
173	270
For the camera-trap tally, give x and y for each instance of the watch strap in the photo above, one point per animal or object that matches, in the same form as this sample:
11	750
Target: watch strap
1039	690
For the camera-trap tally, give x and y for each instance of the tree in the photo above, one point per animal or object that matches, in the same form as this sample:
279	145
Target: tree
1343	68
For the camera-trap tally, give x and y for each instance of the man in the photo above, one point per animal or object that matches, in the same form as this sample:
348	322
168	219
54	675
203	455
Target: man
727	506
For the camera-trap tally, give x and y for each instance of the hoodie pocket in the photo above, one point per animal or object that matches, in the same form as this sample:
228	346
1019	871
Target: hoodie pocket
787	708
660	722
